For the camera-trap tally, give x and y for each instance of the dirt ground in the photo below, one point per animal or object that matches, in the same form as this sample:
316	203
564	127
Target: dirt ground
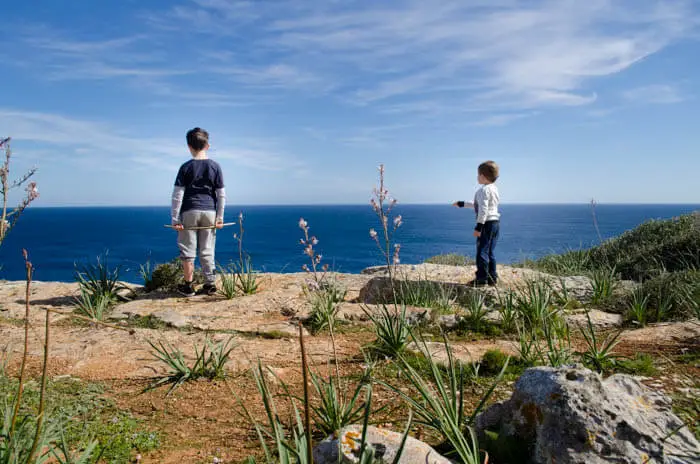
204	419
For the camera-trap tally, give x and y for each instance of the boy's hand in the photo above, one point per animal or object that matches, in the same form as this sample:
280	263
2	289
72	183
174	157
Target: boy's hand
179	227
219	224
477	234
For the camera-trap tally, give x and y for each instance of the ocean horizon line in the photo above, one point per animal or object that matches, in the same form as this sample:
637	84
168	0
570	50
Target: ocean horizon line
287	205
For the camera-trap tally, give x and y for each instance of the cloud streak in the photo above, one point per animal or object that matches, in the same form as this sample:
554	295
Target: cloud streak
403	57
93	140
654	94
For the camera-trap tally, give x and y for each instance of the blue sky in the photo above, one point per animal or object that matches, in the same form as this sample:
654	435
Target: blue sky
574	99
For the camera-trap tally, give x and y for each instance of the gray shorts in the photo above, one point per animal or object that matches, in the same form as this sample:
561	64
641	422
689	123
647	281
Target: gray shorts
193	243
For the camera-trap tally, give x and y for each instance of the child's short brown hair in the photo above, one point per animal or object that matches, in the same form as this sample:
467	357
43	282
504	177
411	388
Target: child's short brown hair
489	169
197	139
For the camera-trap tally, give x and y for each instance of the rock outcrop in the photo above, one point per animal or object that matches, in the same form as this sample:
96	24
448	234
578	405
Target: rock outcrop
385	443
571	415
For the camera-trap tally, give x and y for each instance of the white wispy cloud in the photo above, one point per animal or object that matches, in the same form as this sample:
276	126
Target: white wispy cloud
499	54
401	56
84	139
503	119
657	93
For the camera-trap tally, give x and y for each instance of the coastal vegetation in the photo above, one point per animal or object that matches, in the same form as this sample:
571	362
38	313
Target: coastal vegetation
404	346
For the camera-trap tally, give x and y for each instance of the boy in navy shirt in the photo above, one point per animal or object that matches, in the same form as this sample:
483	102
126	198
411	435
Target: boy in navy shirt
198	200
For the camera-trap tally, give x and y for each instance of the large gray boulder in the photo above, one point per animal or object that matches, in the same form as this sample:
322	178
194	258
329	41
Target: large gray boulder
385	443
571	415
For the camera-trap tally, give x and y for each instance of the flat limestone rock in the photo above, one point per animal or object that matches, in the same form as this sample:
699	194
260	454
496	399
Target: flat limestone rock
599	319
385	443
571	415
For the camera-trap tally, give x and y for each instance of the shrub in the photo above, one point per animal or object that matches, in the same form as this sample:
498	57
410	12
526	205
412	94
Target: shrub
573	262
673	296
324	310
336	409
424	293
508	311
392	330
598	355
99	281
533	299
641	364
638	307
642	253
168	276
441	406
228	288
93	306
146	273
493	362
604	282
450	259
209	364
476	311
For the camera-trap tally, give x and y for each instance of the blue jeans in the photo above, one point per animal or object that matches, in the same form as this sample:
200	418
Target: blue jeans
485	257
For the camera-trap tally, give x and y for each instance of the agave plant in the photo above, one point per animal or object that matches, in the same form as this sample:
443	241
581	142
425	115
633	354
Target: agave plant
439	404
392	330
599	355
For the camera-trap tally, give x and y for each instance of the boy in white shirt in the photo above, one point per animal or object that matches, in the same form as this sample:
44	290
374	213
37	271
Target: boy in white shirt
485	205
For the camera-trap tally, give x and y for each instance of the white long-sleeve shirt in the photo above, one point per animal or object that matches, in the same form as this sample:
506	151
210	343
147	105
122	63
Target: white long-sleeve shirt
486	202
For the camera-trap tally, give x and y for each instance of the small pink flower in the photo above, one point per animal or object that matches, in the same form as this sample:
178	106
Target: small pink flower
318	259
304	267
314	241
302	242
302	223
325	268
397	222
373	233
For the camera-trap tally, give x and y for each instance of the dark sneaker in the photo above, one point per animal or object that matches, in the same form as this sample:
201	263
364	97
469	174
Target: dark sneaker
478	283
186	289
492	282
207	289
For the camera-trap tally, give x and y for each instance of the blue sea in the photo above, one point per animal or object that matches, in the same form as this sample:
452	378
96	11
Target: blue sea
59	238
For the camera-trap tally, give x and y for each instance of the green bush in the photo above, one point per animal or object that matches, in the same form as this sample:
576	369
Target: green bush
493	361
642	253
641	364
168	276
672	296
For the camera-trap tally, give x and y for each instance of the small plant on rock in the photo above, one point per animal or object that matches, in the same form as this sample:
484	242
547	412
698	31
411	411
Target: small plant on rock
324	311
638	307
558	338
604	282
508	311
228	281
100	281
146	273
93	306
534	302
440	404
246	276
336	409
598	355
476	311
